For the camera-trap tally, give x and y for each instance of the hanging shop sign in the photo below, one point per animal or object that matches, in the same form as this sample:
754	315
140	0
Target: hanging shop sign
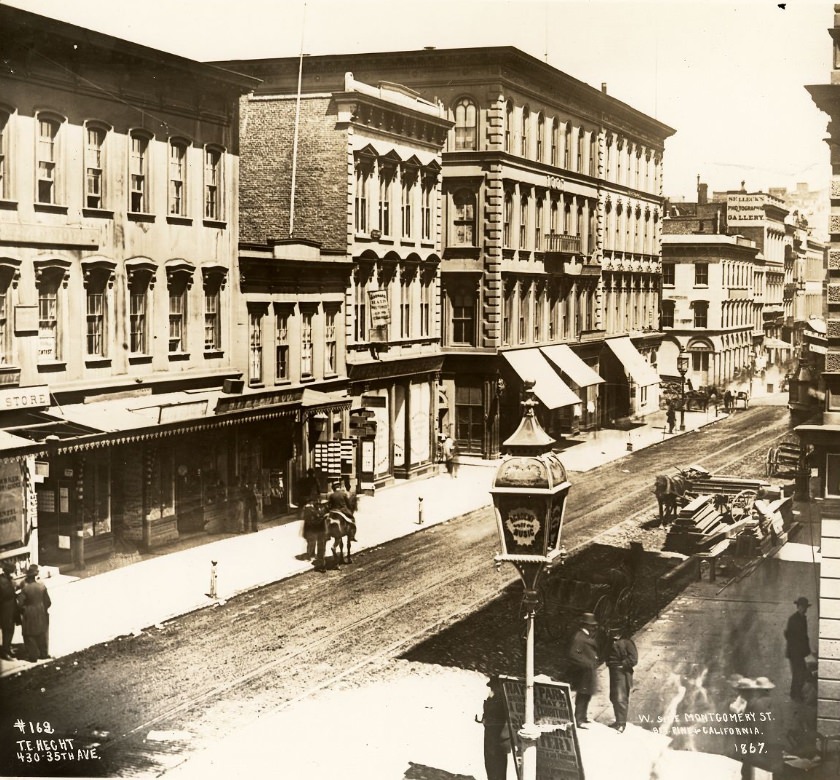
380	311
35	397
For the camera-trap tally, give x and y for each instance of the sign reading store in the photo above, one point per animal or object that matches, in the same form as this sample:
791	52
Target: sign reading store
34	397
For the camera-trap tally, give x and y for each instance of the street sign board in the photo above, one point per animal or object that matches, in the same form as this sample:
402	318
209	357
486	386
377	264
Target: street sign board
558	751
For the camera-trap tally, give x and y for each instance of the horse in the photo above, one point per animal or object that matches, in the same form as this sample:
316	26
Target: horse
340	525
669	490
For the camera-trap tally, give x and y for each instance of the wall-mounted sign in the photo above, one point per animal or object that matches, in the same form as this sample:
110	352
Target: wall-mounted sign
187	411
35	397
745	208
380	312
26	320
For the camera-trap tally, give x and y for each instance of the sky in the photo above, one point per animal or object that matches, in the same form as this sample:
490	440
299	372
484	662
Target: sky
728	77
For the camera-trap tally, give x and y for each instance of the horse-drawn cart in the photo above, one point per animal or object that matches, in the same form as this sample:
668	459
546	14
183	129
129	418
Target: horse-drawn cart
608	596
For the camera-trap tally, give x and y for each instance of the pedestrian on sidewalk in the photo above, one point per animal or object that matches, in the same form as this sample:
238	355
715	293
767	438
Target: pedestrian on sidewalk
250	506
583	657
621	661
671	417
727	401
314	514
450	456
798	647
342	501
34	602
8	609
496	731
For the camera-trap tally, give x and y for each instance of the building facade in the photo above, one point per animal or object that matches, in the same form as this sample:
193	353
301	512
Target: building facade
119	169
356	169
824	434
550	223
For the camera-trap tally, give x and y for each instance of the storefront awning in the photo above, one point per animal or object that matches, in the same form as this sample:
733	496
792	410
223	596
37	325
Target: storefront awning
552	391
568	363
771	343
640	371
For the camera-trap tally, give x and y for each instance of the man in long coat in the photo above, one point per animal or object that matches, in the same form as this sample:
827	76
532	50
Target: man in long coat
8	609
344	502
35	617
583	657
798	647
621	660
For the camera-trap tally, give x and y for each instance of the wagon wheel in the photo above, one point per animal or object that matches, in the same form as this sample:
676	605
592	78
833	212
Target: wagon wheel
603	610
624	603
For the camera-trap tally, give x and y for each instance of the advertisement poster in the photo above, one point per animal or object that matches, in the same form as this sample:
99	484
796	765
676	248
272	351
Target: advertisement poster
264	250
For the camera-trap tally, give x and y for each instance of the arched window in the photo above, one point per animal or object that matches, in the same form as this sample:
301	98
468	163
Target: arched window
465	124
540	137
524	136
507	219
567	151
508	125
555	141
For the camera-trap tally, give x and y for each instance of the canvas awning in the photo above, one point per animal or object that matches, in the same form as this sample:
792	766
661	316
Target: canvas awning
570	365
552	391
772	343
640	371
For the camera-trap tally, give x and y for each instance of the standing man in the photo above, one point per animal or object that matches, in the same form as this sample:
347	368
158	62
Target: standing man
450	451
496	731
798	647
250	507
8	609
583	657
621	661
344	502
671	417
35	616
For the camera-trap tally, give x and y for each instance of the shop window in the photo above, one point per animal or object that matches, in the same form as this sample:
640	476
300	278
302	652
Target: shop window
832	475
469	417
96	500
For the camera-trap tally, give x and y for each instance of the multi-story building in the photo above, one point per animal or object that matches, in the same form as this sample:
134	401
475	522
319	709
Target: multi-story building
119	168
550	212
355	169
809	205
725	263
823	436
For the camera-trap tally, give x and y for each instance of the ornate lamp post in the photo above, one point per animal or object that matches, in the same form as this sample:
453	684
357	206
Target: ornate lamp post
529	497
682	367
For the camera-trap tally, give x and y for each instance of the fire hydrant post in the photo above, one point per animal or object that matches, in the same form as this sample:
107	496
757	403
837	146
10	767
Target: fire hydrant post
420	510
213	593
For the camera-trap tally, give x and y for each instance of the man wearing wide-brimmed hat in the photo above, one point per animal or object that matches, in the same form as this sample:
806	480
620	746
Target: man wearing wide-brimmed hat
798	647
583	657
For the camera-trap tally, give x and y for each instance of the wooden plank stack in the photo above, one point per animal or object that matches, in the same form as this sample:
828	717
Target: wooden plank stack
728	486
697	528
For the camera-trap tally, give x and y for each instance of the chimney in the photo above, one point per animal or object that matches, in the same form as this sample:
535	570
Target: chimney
702	192
604	87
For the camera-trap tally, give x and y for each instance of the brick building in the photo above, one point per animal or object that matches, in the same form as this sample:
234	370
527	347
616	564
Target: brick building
550	216
356	170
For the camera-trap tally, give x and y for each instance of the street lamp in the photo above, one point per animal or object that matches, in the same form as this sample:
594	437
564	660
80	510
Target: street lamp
529	497
682	367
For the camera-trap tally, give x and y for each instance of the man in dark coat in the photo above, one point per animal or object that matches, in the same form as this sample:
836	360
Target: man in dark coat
496	731
583	657
621	660
344	502
35	617
8	609
798	647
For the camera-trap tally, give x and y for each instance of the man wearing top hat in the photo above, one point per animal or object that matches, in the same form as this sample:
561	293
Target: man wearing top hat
35	604
583	657
798	647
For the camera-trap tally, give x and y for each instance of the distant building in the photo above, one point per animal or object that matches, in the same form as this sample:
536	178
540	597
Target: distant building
809	205
550	227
